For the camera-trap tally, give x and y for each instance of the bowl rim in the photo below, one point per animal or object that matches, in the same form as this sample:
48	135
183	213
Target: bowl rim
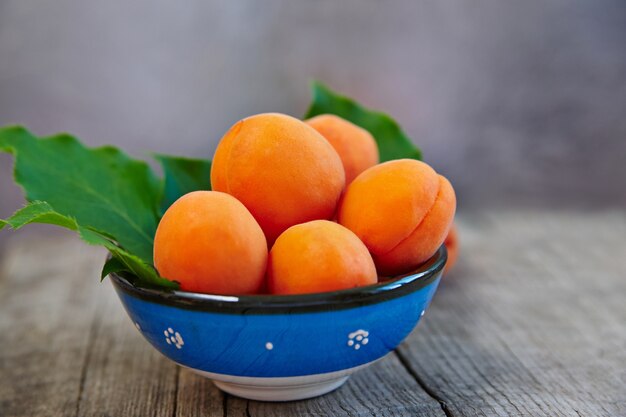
280	304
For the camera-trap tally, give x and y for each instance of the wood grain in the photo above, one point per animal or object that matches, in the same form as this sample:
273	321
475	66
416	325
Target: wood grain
124	375
531	322
198	397
46	312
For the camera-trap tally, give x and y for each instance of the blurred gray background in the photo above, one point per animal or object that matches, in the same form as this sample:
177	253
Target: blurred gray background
518	103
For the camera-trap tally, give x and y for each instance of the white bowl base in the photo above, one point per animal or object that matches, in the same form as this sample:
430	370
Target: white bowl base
289	388
281	393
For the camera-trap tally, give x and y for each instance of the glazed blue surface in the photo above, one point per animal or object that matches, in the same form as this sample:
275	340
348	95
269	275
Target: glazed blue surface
278	345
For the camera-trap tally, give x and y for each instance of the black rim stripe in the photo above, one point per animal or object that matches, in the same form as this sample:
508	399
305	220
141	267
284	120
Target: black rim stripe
281	304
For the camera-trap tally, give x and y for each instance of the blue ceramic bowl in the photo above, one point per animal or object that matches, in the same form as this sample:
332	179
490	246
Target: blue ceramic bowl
280	348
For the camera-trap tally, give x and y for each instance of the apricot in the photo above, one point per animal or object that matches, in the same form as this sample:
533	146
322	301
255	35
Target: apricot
281	169
210	243
452	246
356	146
402	211
318	256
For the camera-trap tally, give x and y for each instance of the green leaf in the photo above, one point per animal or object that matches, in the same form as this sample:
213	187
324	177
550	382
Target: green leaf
144	275
42	212
182	176
113	266
102	188
392	142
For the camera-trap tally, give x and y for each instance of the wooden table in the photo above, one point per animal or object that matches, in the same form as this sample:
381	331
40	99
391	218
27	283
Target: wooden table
532	322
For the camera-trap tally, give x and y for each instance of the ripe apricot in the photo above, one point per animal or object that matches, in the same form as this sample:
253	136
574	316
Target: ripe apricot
356	146
402	211
452	246
209	242
318	256
281	169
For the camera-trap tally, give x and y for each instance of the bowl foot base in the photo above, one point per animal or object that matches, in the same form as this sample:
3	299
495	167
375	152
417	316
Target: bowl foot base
281	393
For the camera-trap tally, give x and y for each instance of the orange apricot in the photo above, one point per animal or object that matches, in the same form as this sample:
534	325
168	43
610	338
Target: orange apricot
356	146
402	211
281	169
210	243
318	256
452	246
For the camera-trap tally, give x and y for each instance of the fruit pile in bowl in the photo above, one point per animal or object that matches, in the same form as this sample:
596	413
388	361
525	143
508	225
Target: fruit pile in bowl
292	259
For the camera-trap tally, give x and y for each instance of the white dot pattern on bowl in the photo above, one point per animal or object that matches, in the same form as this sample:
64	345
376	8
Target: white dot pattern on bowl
173	338
358	338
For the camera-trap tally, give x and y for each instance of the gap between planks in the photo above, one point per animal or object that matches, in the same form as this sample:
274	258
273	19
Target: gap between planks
404	361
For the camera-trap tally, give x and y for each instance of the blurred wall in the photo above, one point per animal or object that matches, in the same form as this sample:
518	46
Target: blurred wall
519	103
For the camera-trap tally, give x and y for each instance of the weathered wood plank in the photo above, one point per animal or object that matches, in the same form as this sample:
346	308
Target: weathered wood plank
68	348
532	322
46	312
198	397
125	376
383	389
